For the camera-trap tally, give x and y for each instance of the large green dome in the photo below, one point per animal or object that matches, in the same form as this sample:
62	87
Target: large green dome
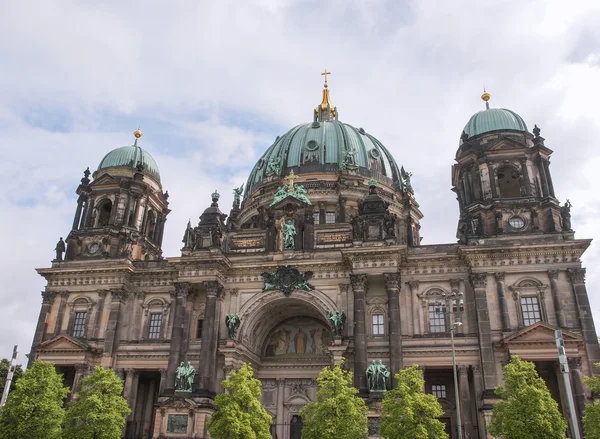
493	119
323	146
130	157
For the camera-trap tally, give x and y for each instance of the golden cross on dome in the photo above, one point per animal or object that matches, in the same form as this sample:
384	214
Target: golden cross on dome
291	179
325	73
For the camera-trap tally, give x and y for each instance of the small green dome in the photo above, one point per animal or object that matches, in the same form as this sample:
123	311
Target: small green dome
325	147
130	157
493	119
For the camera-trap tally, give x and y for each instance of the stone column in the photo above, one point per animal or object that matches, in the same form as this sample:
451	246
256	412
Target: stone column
40	330
414	300
322	218
77	217
280	426
548	177
80	372
163	381
208	349
118	297
478	391
392	285
492	174
342	218
64	296
577	385
455	288
359	287
476	181
525	173
128	390
584	311
560	315
502	301
89	213
182	289
542	171
486	350
465	401
115	208
95	333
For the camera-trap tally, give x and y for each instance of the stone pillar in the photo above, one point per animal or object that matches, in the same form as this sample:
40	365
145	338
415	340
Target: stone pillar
163	381
127	389
280	426
577	384
125	219
492	174
560	315
118	297
342	216
115	208
89	213
161	231
584	311
525	173
182	289
392	286
81	371
64	296
208	349
95	333
322	218
77	218
359	287
415	303
548	177
502	301
542	171
478	391
135	330
486	350
40	330
476	181
465	401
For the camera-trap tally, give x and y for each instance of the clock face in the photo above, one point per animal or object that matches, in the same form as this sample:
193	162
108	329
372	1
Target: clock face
94	248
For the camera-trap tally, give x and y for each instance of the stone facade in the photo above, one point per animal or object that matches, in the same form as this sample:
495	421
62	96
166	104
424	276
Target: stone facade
356	248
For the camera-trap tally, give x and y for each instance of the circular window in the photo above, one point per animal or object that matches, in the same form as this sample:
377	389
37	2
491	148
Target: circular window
94	247
375	154
312	145
516	222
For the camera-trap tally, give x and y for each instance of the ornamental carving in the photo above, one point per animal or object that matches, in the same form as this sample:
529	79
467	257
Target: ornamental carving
499	276
213	288
392	281
574	363
182	289
48	297
577	275
552	274
287	279
478	280
119	295
359	282
414	285
454	284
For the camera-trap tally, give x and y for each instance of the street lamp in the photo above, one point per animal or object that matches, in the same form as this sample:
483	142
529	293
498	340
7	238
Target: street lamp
454	303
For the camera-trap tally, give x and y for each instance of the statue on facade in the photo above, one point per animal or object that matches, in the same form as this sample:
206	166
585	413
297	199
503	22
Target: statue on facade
184	377
188	237
237	193
289	235
338	318
60	249
377	375
405	179
274	166
565	213
349	161
233	323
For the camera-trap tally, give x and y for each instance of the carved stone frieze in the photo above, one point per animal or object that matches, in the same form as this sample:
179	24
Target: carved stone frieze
287	279
478	280
48	297
499	276
359	282
577	275
392	281
552	274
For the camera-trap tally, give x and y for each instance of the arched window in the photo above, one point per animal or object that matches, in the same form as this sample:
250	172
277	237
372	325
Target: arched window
509	182
104	211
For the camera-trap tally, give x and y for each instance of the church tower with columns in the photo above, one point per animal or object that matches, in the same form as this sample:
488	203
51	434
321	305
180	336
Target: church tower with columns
321	260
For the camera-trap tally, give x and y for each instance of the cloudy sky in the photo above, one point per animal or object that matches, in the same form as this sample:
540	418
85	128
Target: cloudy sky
213	83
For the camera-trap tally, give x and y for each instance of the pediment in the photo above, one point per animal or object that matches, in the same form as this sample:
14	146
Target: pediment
505	143
104	180
540	332
63	343
179	403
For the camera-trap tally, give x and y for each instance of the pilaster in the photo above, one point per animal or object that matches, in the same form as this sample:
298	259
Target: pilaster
359	286
392	286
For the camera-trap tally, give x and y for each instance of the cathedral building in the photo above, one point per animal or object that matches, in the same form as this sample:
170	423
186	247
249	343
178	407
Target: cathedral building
320	260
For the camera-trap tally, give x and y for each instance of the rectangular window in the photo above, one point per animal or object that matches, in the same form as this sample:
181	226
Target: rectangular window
329	217
439	391
199	329
437	319
530	308
155	325
79	324
316	217
377	324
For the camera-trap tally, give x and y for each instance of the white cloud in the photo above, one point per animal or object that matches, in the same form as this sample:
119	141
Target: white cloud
214	82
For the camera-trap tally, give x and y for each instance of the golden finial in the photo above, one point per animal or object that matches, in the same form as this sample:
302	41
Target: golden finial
486	97
325	73
137	134
291	179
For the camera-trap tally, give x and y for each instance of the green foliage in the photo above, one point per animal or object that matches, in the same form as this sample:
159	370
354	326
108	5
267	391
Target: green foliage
34	410
591	417
4	365
239	414
99	412
408	412
527	410
338	413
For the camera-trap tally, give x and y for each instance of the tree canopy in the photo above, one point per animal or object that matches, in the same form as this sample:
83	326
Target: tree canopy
408	412
338	412
99	412
34	410
239	413
4	365
527	410
591	417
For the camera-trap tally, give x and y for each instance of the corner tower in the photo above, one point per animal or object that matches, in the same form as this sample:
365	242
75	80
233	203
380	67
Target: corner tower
502	180
122	212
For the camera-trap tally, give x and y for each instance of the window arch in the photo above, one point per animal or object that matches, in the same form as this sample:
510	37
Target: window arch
529	297
155	319
509	182
378	322
104	212
80	309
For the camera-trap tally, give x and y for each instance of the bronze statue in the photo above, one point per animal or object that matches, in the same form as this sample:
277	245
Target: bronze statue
233	323
184	377
338	318
377	375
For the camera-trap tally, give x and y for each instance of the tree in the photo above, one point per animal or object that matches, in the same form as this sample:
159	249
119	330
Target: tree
338	413
239	413
18	373
34	410
99	412
527	410
591	416
408	412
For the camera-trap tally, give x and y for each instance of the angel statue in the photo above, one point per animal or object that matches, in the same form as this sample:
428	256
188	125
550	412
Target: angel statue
338	318
233	323
237	193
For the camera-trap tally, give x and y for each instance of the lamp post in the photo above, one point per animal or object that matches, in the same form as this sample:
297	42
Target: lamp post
454	303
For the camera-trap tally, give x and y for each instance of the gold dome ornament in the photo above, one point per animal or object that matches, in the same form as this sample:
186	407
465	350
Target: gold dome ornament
137	134
486	97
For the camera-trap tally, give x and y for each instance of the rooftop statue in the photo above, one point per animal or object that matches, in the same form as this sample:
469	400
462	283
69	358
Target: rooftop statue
237	193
